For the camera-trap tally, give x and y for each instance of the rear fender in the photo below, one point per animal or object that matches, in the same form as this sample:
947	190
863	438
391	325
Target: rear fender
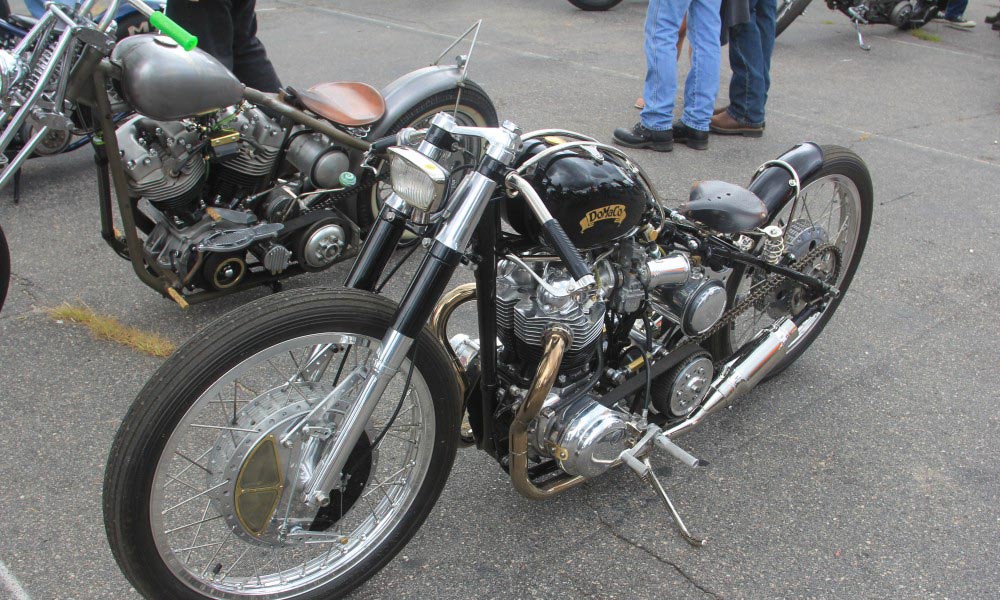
773	184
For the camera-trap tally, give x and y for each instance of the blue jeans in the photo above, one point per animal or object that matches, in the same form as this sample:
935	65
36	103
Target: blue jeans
663	20
750	46
955	10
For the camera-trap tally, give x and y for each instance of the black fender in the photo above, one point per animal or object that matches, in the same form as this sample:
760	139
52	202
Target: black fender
411	89
771	184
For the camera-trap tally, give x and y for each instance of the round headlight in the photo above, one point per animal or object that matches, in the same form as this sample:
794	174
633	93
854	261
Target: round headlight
10	72
418	180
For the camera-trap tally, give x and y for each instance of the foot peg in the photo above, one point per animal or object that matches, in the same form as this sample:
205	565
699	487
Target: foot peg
645	472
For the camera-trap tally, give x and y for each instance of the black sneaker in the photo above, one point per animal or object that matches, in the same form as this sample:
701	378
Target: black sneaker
692	138
640	137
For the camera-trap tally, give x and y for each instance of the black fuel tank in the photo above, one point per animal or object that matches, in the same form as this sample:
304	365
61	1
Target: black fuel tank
596	201
163	81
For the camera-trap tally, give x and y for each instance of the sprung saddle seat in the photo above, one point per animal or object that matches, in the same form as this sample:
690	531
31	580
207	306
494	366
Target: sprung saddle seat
724	207
347	103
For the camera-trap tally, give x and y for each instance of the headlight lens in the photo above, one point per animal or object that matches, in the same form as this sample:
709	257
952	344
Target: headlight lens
10	71
418	180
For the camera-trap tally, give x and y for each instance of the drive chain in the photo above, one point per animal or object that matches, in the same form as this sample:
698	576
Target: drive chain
762	289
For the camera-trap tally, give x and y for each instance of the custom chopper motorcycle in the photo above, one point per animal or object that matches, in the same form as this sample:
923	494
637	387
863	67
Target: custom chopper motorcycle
294	446
903	14
219	187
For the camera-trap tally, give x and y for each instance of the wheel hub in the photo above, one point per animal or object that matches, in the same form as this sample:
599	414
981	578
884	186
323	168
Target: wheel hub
256	478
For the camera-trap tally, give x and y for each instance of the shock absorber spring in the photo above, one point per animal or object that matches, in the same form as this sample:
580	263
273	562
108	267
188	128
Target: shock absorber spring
34	78
774	244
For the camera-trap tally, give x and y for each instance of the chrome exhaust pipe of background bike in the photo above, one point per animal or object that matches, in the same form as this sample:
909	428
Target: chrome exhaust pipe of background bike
741	374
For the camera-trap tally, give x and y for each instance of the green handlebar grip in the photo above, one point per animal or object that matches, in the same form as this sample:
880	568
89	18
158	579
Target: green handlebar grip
171	29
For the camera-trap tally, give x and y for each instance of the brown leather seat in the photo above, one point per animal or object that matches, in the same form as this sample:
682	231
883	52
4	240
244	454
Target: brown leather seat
347	103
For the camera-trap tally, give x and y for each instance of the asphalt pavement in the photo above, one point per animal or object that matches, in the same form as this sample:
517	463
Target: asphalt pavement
867	470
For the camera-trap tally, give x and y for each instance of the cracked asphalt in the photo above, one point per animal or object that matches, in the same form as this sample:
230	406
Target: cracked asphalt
867	470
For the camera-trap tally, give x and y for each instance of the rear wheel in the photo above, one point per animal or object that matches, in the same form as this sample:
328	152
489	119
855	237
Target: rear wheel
203	496
788	11
834	208
471	108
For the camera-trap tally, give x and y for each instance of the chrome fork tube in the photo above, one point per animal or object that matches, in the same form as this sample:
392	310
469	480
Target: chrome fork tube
22	156
390	357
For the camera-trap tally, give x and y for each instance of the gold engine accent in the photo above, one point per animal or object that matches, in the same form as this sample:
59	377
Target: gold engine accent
258	487
554	345
439	325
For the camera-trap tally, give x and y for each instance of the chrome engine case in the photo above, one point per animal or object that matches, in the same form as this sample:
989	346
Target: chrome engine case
582	435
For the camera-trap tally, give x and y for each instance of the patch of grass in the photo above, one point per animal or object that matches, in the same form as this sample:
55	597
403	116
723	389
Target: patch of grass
864	137
828	22
920	34
108	328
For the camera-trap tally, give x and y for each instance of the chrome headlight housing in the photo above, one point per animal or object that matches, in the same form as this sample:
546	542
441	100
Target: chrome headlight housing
418	180
10	72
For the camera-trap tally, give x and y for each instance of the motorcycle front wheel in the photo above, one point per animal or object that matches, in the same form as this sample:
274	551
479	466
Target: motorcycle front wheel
202	494
4	268
788	11
834	208
471	108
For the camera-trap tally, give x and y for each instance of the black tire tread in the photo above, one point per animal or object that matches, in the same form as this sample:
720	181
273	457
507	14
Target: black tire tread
180	380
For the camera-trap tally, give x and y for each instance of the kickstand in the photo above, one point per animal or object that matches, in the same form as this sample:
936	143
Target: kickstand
17	186
861	40
654	482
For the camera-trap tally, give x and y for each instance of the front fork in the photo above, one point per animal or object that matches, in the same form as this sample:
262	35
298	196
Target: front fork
412	313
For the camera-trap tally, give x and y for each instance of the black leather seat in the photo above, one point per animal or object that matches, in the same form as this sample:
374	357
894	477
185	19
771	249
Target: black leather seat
724	207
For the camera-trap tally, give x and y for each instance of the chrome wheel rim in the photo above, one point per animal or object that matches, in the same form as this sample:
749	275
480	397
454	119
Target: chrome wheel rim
189	528
831	204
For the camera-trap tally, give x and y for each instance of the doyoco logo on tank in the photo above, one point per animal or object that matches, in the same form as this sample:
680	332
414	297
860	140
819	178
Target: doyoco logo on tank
611	211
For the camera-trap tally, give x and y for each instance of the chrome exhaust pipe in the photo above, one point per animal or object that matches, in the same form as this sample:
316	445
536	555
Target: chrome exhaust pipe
741	374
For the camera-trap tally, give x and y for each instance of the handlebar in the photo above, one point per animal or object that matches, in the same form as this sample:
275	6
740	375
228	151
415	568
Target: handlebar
165	24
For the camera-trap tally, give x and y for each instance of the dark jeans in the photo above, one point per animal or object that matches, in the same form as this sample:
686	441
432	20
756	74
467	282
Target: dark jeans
750	46
956	9
227	29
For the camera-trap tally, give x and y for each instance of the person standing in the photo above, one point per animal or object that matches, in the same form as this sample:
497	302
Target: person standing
656	128
750	46
227	29
954	15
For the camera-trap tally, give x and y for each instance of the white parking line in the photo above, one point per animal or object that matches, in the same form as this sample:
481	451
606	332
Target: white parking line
12	584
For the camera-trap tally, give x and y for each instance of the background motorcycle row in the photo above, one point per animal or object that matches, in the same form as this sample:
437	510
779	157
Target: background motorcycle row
867	470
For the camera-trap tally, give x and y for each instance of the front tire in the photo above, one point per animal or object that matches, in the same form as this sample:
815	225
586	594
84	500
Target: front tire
4	268
788	11
835	207
172	524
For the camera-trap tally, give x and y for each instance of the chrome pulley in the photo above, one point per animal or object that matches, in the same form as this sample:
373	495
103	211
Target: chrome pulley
254	473
683	388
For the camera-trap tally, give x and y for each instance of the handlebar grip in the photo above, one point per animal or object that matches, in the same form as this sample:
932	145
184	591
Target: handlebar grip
171	29
566	250
382	144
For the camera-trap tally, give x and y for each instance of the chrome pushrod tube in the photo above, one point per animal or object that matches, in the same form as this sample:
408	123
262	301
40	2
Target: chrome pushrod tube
390	357
33	33
15	124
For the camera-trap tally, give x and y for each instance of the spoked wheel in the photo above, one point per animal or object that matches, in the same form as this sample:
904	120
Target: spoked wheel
471	108
204	488
834	211
788	11
4	268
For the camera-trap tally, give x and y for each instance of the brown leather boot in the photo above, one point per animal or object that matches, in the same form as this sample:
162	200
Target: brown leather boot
723	124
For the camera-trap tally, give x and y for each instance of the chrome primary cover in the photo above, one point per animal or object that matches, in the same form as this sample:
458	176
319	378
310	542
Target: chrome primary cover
163	81
583	436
